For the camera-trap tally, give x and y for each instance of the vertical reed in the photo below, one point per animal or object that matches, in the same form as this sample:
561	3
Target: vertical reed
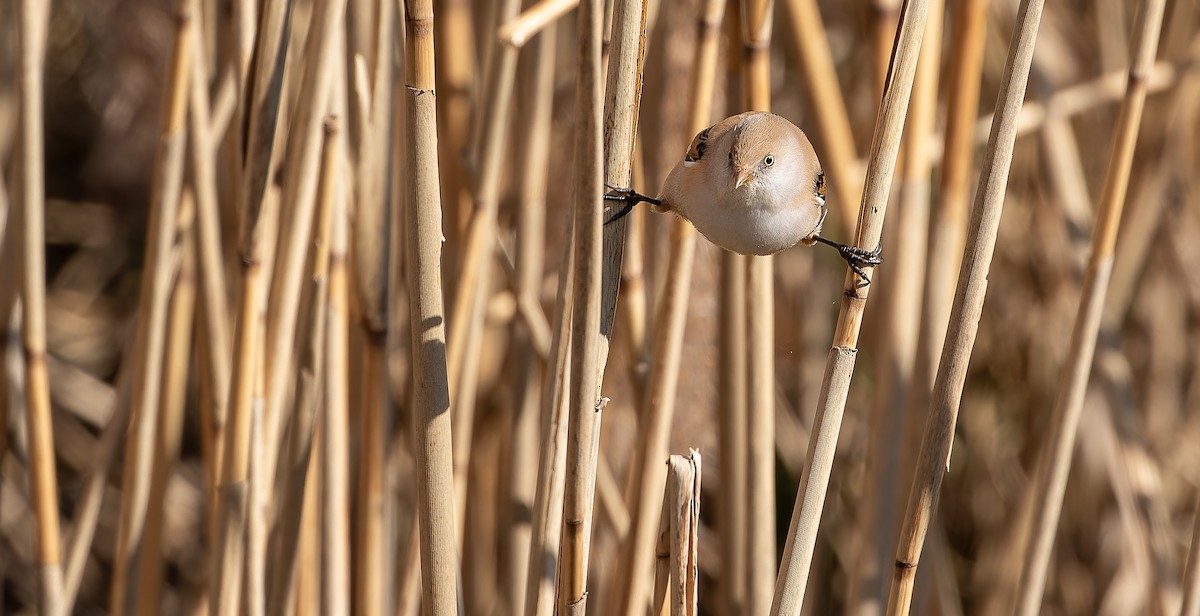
760	349
584	412
658	404
31	30
431	405
159	269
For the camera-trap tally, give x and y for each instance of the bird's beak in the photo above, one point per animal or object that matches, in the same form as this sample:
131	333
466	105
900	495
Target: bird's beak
743	176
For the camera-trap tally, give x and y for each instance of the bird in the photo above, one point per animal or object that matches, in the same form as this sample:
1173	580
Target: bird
752	184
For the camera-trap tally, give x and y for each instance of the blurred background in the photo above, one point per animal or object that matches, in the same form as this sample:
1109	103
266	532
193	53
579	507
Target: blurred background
1131	500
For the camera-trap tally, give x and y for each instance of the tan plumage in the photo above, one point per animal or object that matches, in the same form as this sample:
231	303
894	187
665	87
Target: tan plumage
750	183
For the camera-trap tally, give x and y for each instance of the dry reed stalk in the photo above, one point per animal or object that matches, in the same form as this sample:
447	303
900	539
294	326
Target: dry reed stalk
300	491
214	307
732	390
1191	576
948	227
32	19
584	410
632	574
153	306
968	304
170	408
455	47
474	275
831	405
680	532
431	407
901	314
830	115
885	17
370	260
533	20
535	103
760	541
1086	96
335	523
1054	461
321	72
552	455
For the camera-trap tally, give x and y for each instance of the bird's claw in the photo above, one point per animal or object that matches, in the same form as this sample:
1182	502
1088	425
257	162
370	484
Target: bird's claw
628	197
858	258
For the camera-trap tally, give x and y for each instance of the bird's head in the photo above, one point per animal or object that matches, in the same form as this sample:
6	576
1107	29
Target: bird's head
768	153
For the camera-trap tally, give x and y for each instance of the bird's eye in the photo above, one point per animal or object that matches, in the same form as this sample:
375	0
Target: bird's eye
769	160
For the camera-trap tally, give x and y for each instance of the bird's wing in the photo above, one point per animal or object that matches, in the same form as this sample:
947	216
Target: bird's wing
699	146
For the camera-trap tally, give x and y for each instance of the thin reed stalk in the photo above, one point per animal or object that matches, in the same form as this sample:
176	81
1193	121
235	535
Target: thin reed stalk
535	104
901	313
830	116
831	404
431	404
632	574
584	412
32	17
533	20
552	455
335	523
760	541
1054	461
732	390
474	277
968	305
321	72
157	275
214	303
171	405
454	39
300	461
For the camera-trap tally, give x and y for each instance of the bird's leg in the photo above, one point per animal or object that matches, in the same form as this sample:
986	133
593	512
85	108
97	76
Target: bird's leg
628	198
857	258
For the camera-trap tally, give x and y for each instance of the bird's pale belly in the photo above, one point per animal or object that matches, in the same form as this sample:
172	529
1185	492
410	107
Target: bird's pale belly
753	232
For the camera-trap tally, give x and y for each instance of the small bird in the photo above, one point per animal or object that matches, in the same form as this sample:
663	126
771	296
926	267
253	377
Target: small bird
750	183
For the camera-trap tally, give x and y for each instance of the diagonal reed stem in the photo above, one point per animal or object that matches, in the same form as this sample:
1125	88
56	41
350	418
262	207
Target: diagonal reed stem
968	305
831	404
1054	461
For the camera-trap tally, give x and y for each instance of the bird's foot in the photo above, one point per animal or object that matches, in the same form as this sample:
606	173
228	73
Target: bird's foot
857	258
628	198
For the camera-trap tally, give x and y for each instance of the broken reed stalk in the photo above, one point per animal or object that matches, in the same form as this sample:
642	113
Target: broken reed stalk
32	20
335	523
760	348
732	389
968	305
682	508
321	69
632	575
901	314
535	104
431	394
584	411
153	308
1054	460
171	408
830	115
831	404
